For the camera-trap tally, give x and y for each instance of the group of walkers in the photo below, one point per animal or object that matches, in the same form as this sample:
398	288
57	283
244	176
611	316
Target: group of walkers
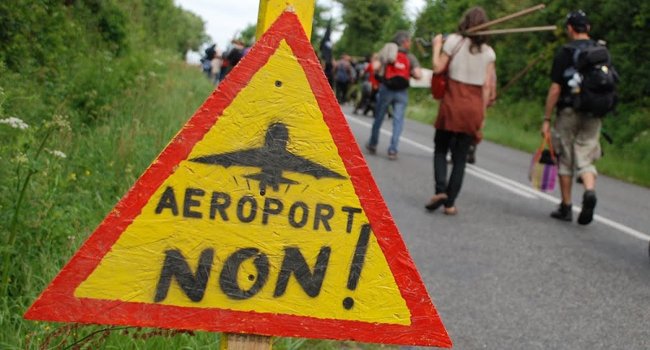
356	81
216	65
471	89
470	62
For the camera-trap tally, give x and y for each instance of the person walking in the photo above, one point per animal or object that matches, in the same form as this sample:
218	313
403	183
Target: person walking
575	134
370	85
207	61
393	91
343	77
461	111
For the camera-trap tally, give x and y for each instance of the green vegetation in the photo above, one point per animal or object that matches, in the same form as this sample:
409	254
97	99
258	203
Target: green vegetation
368	24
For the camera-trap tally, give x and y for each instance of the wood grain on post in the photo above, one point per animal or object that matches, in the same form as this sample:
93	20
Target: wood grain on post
270	10
247	342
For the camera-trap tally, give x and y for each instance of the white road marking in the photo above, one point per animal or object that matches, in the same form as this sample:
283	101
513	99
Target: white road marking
511	185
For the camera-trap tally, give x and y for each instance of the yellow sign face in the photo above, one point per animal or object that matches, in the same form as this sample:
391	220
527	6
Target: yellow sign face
262	216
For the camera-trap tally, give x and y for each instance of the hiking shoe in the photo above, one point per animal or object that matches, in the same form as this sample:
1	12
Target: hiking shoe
371	149
392	155
588	205
563	212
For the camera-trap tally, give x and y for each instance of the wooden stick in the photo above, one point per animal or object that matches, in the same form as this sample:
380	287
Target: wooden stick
270	10
505	18
521	73
513	30
247	342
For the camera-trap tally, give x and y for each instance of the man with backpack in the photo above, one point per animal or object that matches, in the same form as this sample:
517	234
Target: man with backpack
206	61
344	74
582	92
397	67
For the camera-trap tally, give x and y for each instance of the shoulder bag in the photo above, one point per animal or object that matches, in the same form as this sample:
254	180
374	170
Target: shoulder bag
439	80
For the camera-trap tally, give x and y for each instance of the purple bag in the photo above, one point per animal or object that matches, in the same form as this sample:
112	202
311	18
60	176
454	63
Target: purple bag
543	167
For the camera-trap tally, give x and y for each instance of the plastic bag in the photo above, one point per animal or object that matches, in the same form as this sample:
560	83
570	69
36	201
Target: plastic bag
543	167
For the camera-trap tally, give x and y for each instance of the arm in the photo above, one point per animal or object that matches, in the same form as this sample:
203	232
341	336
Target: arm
416	70
551	101
440	59
417	73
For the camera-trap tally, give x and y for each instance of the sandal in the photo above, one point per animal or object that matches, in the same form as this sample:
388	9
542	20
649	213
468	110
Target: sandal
451	211
436	201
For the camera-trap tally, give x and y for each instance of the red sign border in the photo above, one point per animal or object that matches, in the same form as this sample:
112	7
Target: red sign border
58	303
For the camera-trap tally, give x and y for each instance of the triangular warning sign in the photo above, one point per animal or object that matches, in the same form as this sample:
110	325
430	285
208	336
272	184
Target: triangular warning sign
261	216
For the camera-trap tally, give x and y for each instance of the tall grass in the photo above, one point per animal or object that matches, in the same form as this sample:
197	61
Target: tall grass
64	199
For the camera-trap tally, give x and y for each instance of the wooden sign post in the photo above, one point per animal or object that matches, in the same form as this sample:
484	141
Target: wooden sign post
270	10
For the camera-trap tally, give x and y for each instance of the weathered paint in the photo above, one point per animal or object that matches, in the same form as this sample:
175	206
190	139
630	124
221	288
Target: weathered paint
185	249
270	10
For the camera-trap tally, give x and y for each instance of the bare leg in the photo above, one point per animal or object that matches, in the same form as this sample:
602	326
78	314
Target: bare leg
589	181
564	211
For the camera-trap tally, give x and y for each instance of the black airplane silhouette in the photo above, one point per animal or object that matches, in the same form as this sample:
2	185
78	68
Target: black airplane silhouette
272	159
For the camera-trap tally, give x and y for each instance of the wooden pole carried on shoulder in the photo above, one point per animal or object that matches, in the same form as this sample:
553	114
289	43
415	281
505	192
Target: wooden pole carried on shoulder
505	18
513	30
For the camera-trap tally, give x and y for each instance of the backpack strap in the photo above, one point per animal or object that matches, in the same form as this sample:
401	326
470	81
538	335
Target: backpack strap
454	52
456	49
576	48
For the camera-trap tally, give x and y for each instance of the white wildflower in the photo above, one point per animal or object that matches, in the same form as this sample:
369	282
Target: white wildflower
21	158
57	153
15	123
59	122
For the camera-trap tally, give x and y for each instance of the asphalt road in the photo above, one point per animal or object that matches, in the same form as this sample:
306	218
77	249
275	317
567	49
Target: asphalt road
502	273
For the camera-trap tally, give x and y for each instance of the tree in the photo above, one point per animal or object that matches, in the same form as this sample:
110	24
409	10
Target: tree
369	24
248	34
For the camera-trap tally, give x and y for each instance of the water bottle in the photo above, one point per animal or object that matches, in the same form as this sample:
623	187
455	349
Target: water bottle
575	82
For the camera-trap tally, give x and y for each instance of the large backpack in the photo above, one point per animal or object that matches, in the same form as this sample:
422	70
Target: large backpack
592	79
343	71
211	51
397	74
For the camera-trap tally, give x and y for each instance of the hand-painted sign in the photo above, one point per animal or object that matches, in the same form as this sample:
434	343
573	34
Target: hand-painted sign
261	216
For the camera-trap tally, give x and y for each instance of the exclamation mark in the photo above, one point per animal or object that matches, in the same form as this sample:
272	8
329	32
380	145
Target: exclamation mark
357	264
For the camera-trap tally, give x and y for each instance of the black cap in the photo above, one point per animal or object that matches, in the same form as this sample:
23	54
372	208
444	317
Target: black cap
578	20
